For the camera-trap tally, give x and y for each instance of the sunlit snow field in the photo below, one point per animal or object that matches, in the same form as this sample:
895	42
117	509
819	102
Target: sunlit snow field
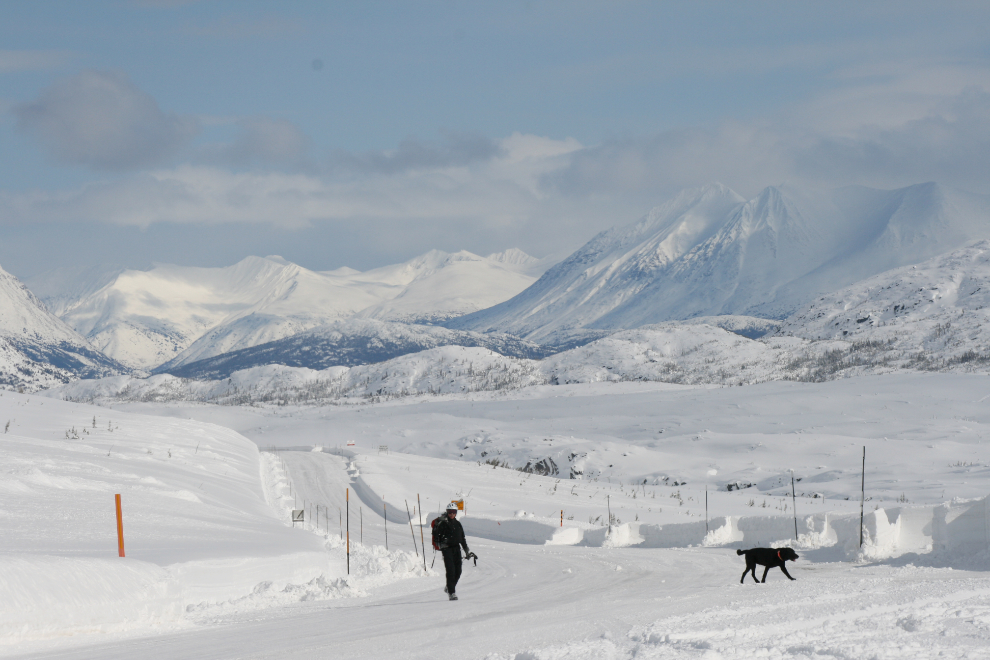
214	567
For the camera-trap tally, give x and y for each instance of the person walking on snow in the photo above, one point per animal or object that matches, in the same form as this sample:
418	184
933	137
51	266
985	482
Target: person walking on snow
448	536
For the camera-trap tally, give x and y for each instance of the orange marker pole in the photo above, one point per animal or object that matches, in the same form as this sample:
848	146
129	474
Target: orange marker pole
120	527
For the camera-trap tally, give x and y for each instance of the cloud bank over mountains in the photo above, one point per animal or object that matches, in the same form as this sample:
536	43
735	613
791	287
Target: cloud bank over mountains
462	128
266	173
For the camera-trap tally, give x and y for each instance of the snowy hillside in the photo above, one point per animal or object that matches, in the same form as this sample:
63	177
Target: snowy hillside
936	313
709	252
671	353
38	350
177	315
349	343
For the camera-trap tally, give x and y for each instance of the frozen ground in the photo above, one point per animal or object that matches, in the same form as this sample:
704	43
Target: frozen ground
653	585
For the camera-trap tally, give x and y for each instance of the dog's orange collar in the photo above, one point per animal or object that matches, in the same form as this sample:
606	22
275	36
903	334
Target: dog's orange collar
779	557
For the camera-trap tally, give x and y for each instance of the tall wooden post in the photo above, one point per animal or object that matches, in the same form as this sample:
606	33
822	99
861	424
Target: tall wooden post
120	527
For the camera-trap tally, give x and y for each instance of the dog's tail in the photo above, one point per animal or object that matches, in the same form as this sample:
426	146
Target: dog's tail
739	552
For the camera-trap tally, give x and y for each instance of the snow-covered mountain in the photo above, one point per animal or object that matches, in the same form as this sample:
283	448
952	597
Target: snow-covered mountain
173	315
36	348
710	252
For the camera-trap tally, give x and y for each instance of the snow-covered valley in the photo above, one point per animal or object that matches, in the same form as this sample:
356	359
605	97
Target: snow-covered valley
215	569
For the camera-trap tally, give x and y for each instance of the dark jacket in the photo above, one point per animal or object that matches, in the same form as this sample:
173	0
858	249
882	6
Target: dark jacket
449	534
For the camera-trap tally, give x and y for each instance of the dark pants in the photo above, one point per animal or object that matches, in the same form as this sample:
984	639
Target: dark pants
452	562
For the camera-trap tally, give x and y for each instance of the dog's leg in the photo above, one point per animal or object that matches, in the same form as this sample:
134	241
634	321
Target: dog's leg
752	567
765	571
783	568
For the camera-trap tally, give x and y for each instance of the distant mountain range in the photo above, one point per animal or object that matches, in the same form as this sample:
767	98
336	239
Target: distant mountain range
170	316
787	263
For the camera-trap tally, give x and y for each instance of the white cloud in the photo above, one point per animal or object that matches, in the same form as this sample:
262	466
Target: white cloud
102	120
502	189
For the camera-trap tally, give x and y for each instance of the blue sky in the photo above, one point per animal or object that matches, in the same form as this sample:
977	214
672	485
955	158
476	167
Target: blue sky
364	133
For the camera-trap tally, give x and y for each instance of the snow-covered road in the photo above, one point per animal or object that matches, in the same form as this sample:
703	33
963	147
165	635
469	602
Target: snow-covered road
529	601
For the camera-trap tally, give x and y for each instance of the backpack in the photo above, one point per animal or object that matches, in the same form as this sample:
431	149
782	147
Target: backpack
433	536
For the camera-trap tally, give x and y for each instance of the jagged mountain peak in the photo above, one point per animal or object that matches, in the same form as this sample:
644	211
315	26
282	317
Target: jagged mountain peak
512	256
710	252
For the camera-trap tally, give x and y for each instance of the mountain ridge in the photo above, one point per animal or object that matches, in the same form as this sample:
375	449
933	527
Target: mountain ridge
173	315
709	252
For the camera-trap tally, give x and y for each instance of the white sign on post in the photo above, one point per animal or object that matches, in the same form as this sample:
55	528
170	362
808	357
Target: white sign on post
298	516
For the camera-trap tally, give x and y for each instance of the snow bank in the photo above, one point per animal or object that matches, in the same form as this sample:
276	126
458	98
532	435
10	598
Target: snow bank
51	596
222	580
958	532
962	528
511	531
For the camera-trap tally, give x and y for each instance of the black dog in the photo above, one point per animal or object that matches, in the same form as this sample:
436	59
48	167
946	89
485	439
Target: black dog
768	557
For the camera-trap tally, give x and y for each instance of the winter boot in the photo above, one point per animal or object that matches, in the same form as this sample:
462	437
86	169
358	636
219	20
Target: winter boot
453	597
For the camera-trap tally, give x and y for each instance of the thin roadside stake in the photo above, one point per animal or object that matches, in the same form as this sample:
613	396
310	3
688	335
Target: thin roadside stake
419	504
348	496
862	498
794	505
411	532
